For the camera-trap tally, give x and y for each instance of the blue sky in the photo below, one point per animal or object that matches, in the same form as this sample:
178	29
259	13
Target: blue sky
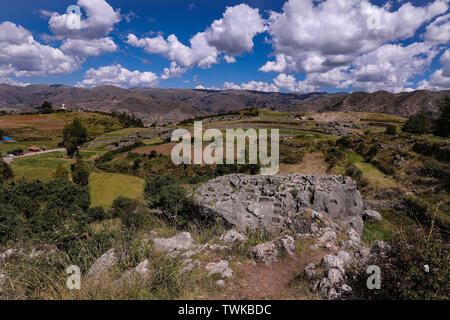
288	46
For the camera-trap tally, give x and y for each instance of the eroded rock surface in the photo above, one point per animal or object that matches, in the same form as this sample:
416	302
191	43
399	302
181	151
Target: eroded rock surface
103	264
269	252
279	202
182	241
220	267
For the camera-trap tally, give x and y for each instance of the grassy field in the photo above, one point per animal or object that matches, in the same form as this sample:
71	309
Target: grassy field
46	130
39	167
375	177
106	187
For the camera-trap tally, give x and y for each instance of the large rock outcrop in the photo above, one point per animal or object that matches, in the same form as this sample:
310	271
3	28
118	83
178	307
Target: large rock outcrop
281	202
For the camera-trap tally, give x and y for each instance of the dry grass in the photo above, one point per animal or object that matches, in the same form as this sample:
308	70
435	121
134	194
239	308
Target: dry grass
312	163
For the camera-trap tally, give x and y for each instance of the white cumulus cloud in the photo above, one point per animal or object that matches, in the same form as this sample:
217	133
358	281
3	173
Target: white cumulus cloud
88	47
232	35
22	56
116	75
313	36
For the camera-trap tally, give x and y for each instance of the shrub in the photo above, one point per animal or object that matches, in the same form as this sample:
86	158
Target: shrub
352	171
391	130
42	210
130	211
420	123
344	142
61	172
436	150
97	214
80	172
434	169
417	209
403	274
333	156
164	193
6	173
443	121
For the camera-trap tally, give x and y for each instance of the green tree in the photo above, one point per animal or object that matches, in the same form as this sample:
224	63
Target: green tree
75	135
46	107
443	122
6	173
2	133
164	193
61	172
420	123
391	130
80	172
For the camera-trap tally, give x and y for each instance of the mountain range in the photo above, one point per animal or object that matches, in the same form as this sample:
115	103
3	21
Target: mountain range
172	105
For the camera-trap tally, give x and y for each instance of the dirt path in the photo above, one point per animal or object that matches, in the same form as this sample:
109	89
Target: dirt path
31	154
260	281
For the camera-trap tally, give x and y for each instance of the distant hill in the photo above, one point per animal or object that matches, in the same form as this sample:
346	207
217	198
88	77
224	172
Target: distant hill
177	104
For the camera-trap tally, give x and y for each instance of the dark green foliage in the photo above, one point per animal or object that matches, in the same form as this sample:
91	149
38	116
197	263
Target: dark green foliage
6	173
333	156
224	169
127	120
136	164
436	150
417	210
131	212
108	156
251	113
442	124
435	169
80	172
43	210
355	173
46	107
97	214
2	133
373	151
403	275
164	193
391	130
61	172
344	142
420	123
74	136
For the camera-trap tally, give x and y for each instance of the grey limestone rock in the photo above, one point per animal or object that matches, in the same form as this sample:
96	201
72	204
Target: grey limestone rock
250	202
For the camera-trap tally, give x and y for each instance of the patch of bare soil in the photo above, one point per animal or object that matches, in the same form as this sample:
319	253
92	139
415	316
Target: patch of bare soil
275	281
40	122
165	149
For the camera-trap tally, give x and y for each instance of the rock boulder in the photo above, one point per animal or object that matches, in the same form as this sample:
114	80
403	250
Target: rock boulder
280	202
